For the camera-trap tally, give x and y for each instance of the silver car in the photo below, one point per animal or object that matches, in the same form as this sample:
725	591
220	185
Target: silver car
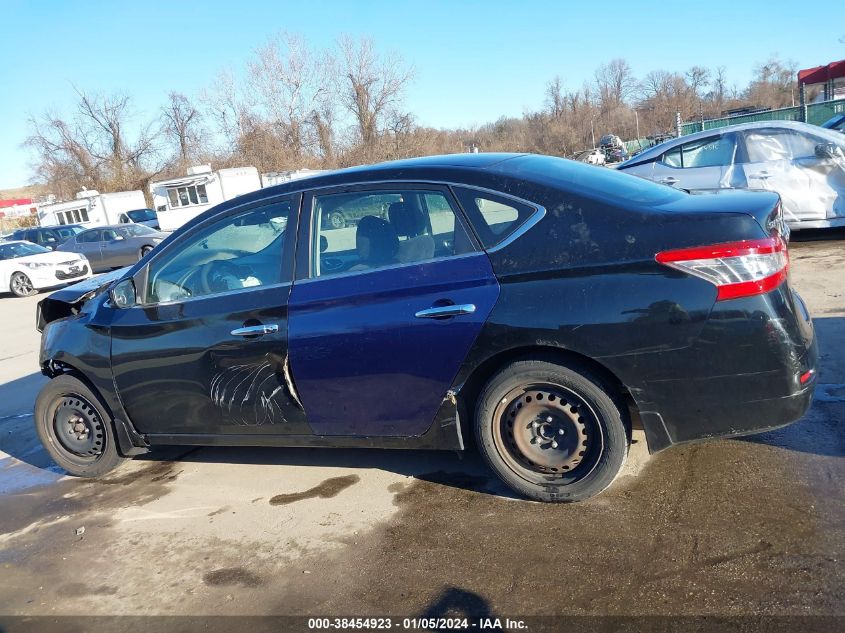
804	163
114	246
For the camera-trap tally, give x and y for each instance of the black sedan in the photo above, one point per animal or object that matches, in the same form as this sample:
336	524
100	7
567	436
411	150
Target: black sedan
541	306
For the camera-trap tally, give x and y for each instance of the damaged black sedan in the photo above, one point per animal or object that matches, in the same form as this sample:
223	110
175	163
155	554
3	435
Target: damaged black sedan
541	306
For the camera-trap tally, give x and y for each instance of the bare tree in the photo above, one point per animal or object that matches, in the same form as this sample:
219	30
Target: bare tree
93	149
181	127
371	85
555	99
615	82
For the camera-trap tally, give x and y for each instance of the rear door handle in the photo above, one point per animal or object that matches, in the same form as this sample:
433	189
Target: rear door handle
669	180
762	175
446	311
255	330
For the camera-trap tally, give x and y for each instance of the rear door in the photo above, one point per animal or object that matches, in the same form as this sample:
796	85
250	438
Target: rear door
701	164
383	313
88	243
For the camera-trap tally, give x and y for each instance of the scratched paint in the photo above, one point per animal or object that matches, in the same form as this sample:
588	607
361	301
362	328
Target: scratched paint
249	394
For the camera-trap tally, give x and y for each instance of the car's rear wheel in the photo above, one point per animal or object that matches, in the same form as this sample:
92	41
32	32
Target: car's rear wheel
21	285
551	432
75	428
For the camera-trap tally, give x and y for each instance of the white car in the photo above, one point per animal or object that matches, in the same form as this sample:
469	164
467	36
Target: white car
804	163
26	268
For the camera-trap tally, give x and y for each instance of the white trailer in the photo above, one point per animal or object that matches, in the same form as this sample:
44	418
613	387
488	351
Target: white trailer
91	208
180	199
280	177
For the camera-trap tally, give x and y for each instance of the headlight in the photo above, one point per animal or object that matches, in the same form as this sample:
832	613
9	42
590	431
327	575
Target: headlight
36	264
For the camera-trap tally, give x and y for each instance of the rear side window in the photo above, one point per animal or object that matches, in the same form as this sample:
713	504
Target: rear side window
89	236
775	144
493	217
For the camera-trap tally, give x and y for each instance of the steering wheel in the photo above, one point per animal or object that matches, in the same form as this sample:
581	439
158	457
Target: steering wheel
216	276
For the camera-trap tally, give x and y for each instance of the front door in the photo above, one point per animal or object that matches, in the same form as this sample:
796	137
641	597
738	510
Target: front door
384	312
206	350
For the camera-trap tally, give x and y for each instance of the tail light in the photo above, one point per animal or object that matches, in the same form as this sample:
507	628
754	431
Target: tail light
737	269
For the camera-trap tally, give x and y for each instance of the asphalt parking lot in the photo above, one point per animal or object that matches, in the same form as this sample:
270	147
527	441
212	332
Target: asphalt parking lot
732	527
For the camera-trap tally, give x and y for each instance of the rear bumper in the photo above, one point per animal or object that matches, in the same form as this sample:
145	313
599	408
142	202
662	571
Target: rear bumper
743	375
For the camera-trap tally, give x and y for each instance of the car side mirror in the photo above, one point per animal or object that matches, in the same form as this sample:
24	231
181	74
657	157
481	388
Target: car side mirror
827	150
118	238
123	294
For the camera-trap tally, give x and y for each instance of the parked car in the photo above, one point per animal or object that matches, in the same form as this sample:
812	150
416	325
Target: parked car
835	123
613	148
538	303
26	268
803	163
50	237
108	247
147	217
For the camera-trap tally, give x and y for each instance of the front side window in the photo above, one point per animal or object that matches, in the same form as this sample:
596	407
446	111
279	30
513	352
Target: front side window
384	228
494	217
239	251
775	144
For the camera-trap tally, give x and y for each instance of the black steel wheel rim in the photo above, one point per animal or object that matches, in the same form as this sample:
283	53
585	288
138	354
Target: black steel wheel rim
77	427
547	432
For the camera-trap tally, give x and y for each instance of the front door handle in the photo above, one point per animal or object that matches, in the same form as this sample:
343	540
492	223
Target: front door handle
446	311
255	330
669	180
761	175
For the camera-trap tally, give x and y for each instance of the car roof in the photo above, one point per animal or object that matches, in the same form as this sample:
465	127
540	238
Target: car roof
655	151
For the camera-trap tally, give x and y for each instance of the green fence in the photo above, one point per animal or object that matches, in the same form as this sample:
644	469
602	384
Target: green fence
817	113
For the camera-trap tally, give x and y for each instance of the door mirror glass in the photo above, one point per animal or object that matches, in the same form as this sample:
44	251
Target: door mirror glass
118	238
123	294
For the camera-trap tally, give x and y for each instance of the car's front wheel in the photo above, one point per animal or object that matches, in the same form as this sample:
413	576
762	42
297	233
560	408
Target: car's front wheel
75	428
144	251
551	432
21	285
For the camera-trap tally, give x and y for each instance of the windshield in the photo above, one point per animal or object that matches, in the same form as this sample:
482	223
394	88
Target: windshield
141	215
134	230
20	249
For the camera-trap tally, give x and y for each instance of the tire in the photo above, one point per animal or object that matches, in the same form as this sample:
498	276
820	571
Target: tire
337	220
551	432
144	251
75	428
21	285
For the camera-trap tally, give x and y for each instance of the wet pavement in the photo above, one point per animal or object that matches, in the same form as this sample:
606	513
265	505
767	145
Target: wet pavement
734	527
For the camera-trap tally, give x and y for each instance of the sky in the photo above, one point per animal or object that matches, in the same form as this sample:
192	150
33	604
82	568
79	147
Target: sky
475	61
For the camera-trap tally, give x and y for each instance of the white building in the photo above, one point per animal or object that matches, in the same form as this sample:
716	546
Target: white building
180	199
91	208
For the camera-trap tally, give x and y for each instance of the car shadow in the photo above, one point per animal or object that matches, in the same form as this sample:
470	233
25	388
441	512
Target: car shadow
818	235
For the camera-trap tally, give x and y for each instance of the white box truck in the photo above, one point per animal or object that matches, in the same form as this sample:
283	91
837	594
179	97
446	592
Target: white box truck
181	199
91	208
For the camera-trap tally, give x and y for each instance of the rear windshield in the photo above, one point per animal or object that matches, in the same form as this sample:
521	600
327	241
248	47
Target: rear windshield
590	180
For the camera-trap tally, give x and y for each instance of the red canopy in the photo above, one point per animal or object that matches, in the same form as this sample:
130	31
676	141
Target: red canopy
12	203
821	74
